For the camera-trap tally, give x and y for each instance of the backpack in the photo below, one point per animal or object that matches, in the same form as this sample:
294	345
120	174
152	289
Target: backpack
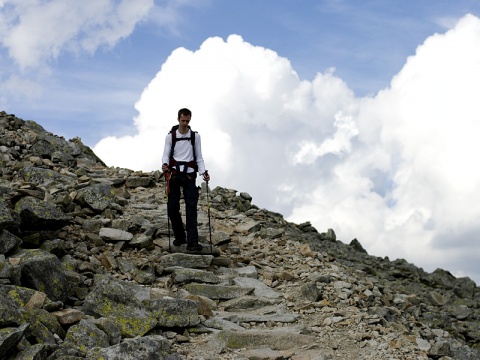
174	164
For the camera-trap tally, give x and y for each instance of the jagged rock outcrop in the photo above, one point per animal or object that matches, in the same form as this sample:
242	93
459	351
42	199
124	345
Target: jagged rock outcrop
87	271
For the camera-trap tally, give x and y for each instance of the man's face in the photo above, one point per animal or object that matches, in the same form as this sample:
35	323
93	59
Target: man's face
183	121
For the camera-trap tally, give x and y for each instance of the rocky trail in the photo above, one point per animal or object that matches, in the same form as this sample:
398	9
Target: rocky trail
87	271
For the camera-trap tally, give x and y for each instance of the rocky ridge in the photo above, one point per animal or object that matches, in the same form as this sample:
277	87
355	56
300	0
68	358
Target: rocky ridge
87	272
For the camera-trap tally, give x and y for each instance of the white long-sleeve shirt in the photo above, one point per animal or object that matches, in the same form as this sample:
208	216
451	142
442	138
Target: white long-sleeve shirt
183	151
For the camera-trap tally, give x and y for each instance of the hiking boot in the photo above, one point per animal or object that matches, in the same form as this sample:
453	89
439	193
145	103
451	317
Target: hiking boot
194	247
178	242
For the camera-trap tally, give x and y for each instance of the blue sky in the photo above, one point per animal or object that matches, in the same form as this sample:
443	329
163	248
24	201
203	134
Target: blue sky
357	116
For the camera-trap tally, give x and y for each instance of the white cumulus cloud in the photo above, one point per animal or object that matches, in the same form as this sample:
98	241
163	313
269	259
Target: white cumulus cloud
38	31
410	181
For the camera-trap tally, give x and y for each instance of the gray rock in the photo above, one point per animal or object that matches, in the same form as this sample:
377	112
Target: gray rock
440	348
94	225
247	227
37	215
186	260
85	335
109	327
423	344
310	292
115	234
272	233
220	238
42	148
442	278
185	275
121	302
141	241
12	314
465	287
145	274
9	338
139	181
261	290
8	242
249	318
247	271
8	220
62	157
43	271
222	324
172	313
248	302
276	340
357	246
98	197
126	266
218	292
36	351
153	347
41	176
43	326
246	196
329	235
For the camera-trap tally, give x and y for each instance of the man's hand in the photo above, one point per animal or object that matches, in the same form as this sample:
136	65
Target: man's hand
165	168
206	177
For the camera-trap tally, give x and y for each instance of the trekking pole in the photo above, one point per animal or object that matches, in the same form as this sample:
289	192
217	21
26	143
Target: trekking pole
208	209
167	191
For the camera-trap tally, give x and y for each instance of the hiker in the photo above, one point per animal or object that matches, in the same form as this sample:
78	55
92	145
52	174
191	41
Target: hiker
182	159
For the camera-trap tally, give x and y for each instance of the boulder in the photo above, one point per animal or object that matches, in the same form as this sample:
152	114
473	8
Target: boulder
85	336
44	272
36	214
152	347
122	302
8	220
8	242
97	197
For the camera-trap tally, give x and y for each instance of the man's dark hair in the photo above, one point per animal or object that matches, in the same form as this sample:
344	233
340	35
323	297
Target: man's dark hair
185	112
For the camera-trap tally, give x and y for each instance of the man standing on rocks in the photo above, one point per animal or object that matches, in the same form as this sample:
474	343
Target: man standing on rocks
182	159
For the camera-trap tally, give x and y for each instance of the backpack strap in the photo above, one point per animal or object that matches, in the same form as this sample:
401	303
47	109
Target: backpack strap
176	164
